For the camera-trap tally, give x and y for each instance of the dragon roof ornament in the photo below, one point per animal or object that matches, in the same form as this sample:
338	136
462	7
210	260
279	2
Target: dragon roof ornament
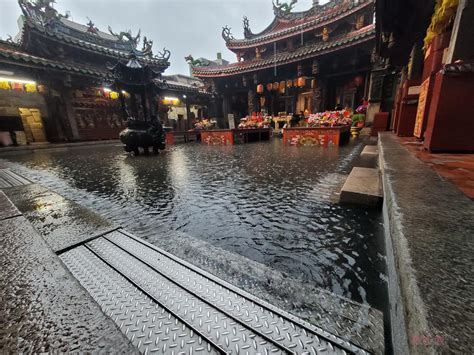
126	36
40	11
283	9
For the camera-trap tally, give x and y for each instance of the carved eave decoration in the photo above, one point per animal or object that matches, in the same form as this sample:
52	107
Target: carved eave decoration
247	31
227	34
40	11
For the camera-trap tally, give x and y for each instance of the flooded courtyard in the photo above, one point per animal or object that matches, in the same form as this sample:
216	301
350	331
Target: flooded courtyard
265	202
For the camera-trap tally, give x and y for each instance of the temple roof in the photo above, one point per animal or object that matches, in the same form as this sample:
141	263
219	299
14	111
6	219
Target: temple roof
43	18
287	23
310	51
13	54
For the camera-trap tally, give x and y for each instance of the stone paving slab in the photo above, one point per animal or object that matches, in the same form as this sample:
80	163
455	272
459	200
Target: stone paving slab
430	228
369	150
7	208
43	308
61	222
362	187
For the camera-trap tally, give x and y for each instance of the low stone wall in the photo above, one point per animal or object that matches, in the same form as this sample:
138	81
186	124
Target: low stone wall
429	228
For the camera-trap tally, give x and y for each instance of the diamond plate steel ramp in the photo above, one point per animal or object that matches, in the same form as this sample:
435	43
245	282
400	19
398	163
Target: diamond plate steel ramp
132	279
150	327
10	179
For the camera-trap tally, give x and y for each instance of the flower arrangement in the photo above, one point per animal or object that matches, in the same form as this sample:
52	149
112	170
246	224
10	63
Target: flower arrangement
358	117
330	119
362	108
256	121
205	124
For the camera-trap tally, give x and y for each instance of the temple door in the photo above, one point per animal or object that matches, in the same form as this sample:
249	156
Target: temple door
33	125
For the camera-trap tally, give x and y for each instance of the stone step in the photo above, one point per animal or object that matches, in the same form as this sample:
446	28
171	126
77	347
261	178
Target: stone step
362	187
369	151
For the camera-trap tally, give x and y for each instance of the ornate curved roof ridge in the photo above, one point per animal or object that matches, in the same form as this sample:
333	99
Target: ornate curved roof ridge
14	54
102	49
41	15
286	24
352	38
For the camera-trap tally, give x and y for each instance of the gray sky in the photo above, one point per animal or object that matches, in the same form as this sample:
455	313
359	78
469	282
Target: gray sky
182	26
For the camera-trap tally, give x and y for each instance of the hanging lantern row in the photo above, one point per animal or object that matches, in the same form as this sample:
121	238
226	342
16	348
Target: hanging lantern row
23	85
282	85
112	95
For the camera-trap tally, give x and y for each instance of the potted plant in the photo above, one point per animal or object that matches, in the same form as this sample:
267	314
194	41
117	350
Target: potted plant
358	120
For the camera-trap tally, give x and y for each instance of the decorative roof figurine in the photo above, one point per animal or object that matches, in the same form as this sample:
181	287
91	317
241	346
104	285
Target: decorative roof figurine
247	31
165	55
283	8
126	36
147	47
91	27
195	62
226	34
41	11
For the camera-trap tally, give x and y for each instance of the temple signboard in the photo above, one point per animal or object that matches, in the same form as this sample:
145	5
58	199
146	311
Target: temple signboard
420	112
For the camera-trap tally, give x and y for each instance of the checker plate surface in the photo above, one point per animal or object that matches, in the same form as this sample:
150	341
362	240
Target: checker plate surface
165	305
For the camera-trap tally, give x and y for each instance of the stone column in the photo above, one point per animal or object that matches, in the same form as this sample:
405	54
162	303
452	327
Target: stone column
225	110
252	107
66	96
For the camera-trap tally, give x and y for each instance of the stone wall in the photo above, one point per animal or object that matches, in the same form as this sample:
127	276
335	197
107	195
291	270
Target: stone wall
10	101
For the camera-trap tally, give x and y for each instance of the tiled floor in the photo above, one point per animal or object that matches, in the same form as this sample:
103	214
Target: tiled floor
457	168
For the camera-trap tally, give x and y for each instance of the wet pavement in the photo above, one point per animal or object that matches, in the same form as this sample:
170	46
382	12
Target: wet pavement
61	222
43	307
266	202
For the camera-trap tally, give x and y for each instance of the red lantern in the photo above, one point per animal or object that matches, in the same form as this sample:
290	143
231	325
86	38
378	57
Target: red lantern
358	80
260	88
282	87
17	86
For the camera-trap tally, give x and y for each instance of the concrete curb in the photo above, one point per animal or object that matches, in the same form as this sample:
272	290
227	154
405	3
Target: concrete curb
429	225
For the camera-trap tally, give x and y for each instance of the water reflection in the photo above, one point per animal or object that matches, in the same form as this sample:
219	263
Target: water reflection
264	201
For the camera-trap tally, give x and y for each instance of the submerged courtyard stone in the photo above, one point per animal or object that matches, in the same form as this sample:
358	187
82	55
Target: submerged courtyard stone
362	187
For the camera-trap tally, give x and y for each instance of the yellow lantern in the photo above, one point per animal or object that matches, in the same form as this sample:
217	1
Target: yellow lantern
301	81
295	82
289	83
313	84
30	87
4	85
260	88
114	95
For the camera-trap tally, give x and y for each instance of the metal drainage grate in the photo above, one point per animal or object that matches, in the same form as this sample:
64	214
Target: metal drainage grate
10	179
165	305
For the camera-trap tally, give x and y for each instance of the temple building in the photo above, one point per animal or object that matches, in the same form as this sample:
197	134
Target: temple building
54	77
430	44
302	62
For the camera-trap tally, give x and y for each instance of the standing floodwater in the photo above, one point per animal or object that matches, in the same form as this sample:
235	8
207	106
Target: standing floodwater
267	202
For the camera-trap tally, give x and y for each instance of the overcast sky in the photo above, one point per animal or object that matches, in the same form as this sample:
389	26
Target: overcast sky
182	26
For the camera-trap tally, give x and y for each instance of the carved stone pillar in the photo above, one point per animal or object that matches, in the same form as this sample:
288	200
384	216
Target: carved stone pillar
252	106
